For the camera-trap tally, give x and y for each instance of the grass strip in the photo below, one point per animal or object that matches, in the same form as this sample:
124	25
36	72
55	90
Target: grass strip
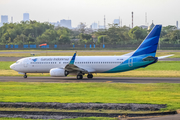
159	93
82	53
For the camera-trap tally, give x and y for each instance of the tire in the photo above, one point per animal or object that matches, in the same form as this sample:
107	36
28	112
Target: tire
79	76
90	76
25	76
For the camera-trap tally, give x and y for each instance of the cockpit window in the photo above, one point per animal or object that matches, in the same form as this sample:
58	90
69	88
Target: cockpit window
17	62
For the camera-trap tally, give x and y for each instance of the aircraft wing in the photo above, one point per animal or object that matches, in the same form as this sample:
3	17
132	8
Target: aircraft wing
71	67
161	57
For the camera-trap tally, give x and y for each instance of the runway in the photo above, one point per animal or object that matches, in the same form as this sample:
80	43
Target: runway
95	79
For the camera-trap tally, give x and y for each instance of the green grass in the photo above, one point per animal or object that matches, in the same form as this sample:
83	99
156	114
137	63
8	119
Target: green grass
163	65
81	53
160	93
5	65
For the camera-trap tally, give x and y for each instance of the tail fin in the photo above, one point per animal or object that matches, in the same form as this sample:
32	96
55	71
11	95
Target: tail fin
149	45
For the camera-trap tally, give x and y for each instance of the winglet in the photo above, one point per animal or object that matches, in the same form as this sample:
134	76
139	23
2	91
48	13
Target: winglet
73	59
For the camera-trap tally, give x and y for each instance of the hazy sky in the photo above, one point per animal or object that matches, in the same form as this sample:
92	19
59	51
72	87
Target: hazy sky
165	12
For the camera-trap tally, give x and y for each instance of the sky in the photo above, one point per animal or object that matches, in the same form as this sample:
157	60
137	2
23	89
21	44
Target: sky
165	12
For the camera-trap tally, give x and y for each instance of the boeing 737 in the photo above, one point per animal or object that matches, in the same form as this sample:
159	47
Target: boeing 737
61	66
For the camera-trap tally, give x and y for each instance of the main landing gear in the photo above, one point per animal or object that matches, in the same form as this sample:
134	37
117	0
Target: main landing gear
89	76
25	76
79	76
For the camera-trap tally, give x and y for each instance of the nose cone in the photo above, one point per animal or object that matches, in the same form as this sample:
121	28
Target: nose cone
12	66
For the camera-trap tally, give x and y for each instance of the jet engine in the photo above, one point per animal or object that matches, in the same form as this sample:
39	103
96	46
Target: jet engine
57	72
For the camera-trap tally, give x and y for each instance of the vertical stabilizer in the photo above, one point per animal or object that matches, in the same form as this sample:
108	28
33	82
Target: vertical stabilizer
149	45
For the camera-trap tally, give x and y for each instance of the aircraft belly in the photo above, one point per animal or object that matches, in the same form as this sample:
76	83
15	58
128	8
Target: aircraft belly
98	68
39	68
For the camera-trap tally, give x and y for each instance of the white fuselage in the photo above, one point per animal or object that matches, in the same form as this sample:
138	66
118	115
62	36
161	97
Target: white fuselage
94	64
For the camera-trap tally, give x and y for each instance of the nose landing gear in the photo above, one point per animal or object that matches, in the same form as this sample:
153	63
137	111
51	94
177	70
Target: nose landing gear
25	76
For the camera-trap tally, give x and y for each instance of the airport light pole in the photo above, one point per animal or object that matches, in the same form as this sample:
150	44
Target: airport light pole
103	41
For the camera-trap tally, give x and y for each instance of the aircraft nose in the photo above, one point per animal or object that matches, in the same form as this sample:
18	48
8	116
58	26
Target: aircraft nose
12	66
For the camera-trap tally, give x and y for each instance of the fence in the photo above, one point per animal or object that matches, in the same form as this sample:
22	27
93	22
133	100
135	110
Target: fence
84	47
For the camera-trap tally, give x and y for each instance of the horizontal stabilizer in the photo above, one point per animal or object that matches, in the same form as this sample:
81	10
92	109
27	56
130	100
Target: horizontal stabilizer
161	57
149	58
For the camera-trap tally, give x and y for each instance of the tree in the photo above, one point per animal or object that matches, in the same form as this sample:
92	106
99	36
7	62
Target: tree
85	36
137	33
64	39
103	39
81	27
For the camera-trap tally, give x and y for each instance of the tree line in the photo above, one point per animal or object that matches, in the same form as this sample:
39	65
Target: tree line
33	32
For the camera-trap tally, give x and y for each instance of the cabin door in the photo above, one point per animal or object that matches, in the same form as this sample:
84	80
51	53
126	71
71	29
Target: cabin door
25	63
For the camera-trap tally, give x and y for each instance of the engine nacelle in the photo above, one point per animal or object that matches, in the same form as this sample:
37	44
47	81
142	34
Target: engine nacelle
57	72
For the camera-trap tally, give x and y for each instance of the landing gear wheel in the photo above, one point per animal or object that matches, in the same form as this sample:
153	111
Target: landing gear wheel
89	76
79	76
25	76
66	73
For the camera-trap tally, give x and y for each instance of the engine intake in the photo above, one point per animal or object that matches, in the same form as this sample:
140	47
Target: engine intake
57	72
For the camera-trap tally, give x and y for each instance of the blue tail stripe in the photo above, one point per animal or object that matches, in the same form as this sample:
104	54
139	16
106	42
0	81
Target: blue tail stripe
147	40
145	48
148	50
149	45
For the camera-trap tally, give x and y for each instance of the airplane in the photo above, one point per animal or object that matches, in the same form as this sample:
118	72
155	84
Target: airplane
61	66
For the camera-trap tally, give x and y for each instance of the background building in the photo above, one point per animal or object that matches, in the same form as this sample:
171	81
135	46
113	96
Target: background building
25	16
94	26
151	26
177	24
143	27
4	19
117	21
65	23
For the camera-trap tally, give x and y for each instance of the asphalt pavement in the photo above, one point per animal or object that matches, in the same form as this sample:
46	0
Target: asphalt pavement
95	79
